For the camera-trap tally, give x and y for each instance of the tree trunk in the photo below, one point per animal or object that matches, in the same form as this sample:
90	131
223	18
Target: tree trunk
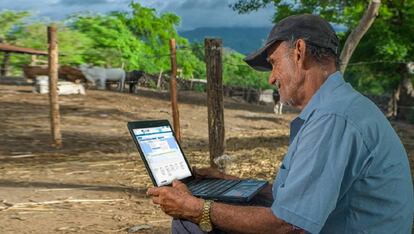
5	65
353	39
393	104
405	102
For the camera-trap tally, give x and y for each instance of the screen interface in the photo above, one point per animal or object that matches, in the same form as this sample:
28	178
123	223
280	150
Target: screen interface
162	153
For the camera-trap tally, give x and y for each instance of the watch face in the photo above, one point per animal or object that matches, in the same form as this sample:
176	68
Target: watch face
206	227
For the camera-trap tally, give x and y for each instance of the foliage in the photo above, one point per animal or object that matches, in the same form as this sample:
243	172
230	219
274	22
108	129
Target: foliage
237	73
9	21
137	39
388	40
72	44
113	44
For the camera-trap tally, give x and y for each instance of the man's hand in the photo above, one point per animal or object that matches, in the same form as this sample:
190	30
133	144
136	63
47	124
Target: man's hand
177	201
211	173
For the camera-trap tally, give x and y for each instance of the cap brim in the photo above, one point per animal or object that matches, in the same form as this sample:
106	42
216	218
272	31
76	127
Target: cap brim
258	59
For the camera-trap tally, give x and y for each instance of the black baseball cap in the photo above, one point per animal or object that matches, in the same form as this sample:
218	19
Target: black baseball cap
312	28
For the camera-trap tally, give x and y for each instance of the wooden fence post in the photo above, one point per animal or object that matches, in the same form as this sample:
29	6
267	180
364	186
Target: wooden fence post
5	65
53	79
214	68
173	90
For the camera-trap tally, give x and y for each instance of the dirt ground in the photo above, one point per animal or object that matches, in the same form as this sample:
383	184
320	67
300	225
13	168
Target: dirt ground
96	182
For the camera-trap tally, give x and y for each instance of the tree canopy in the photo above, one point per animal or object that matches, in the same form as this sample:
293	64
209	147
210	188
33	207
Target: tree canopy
378	64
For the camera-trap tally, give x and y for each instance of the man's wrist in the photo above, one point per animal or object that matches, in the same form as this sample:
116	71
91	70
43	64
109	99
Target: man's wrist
196	210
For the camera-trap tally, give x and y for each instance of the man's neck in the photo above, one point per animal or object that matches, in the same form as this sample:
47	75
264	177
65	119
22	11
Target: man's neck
314	79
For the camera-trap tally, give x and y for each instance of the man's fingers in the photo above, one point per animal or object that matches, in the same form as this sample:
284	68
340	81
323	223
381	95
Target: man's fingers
177	184
157	200
181	186
152	192
156	191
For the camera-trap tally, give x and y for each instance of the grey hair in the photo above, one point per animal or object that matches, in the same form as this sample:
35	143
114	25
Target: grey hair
320	54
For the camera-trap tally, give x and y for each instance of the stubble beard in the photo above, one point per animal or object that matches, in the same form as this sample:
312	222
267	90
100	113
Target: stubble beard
285	101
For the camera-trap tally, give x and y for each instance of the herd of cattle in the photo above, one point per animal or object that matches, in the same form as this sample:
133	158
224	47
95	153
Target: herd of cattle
95	76
102	77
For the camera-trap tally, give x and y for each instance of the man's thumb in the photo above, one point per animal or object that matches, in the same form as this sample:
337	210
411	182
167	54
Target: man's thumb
176	183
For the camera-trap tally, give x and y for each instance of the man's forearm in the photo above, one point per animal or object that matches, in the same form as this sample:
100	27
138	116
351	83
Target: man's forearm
247	219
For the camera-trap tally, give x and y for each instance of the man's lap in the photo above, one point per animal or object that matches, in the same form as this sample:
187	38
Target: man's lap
179	226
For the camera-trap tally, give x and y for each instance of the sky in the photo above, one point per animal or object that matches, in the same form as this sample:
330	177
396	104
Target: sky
193	13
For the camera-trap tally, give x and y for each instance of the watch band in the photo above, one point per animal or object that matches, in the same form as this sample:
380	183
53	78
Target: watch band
205	222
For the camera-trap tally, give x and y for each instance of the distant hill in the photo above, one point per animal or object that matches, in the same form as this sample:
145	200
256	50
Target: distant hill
242	39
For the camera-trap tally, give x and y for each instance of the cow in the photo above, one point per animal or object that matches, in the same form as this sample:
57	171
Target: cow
65	72
278	104
30	72
71	74
94	74
132	78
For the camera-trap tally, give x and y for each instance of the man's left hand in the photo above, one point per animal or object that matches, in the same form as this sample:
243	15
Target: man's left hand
177	201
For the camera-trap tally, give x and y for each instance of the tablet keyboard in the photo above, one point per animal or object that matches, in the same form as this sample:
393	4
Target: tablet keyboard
210	187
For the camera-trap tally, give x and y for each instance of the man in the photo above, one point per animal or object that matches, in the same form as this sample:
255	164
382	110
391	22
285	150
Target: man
345	171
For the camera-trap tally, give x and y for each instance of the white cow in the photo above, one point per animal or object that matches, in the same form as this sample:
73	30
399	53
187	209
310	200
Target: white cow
278	105
93	74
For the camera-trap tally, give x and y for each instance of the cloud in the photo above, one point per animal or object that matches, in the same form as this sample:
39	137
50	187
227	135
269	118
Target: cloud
203	4
81	2
211	13
193	13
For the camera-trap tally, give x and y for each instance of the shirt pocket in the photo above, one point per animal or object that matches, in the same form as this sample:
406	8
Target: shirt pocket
281	175
280	180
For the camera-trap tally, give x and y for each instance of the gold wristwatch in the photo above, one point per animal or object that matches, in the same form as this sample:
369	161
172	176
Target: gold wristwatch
205	222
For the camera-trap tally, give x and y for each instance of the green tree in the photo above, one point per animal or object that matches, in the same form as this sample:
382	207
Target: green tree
139	38
72	44
389	39
237	73
156	31
9	21
113	43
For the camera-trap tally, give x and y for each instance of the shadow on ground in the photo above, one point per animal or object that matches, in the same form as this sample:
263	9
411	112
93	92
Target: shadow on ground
137	192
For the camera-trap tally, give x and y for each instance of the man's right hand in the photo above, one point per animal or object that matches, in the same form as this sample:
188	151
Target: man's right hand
211	173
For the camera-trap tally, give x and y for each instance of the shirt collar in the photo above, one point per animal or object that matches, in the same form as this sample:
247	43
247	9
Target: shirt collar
333	81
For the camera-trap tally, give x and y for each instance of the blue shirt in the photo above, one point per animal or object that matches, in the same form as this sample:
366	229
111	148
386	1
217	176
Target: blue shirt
346	170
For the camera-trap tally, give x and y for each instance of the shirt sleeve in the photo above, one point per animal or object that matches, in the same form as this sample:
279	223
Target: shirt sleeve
312	179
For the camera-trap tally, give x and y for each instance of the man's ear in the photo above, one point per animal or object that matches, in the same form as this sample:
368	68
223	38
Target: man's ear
300	54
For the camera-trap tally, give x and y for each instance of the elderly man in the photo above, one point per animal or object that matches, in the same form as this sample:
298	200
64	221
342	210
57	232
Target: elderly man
345	171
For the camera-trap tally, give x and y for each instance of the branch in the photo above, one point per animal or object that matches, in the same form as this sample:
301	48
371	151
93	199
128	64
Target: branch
353	39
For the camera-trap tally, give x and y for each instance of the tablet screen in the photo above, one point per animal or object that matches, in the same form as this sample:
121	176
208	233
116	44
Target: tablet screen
163	155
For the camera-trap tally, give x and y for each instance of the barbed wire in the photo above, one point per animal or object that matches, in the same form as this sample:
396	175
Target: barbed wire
377	61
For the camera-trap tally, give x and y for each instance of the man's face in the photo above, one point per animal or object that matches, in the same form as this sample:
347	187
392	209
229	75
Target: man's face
284	75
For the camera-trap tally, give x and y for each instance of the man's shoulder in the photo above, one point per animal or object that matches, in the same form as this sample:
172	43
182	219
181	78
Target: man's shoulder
345	104
357	110
351	105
